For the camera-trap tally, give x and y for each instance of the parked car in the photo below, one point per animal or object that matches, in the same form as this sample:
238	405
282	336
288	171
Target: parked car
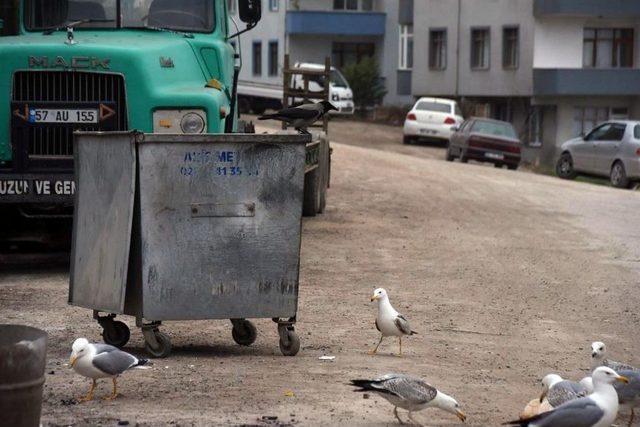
485	140
611	150
431	119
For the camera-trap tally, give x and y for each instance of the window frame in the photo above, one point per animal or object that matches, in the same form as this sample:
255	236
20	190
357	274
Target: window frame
508	65
617	42
486	48
442	64
272	66
256	66
405	43
274	5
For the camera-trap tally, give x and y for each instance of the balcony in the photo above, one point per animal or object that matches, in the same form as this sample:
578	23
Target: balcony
587	8
586	81
335	23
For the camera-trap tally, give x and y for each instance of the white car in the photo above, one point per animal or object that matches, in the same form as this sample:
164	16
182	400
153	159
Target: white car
340	94
432	119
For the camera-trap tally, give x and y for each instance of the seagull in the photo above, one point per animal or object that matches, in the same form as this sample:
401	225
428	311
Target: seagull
598	351
599	409
410	393
628	394
389	322
535	407
302	116
101	361
558	391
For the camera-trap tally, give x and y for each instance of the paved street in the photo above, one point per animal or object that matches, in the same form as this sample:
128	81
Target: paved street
506	276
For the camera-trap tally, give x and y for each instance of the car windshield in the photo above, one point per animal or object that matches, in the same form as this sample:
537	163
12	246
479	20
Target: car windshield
437	107
338	79
494	128
636	132
189	16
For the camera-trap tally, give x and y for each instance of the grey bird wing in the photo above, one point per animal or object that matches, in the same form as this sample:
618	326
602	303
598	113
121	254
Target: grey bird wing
114	362
629	394
581	412
564	391
410	389
377	327
403	324
618	366
296	113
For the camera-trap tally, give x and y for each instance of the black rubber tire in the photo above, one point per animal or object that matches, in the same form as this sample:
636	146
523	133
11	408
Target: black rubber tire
498	165
512	167
618	175
407	140
449	156
117	334
311	198
244	332
564	167
164	348
463	157
293	346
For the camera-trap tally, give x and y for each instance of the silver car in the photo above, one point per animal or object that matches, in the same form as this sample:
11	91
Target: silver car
611	149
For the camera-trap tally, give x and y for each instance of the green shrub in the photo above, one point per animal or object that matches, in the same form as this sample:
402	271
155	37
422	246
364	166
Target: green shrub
366	83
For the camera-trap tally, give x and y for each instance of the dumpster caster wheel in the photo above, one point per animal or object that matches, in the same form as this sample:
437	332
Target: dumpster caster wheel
290	346
163	347
244	332
116	334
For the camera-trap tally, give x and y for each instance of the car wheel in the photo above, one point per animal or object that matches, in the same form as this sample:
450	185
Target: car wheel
407	140
512	167
564	167
463	156
449	157
618	175
497	165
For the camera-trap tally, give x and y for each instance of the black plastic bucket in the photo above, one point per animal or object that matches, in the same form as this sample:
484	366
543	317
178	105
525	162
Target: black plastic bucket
23	352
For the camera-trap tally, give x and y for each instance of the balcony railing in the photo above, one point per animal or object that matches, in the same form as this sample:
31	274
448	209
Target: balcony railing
586	81
587	8
335	23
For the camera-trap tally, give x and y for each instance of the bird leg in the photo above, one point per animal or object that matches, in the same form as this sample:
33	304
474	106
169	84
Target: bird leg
400	341
376	348
114	392
413	420
89	395
633	416
395	412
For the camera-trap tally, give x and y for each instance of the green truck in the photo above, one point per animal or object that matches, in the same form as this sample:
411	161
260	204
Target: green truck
158	66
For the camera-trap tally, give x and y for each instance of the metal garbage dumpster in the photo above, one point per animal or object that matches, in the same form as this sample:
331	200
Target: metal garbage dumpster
185	227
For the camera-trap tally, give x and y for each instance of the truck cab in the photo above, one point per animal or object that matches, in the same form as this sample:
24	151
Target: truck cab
103	65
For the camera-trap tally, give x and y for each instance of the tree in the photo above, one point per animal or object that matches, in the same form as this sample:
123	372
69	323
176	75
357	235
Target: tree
366	83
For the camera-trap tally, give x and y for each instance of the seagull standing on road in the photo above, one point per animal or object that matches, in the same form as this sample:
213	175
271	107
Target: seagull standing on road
599	409
558	391
301	117
101	361
389	322
410	393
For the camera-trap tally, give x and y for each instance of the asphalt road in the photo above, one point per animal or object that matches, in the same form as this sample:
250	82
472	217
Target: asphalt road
506	276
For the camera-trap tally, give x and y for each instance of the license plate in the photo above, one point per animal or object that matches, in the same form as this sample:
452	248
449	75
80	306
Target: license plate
428	131
496	156
51	115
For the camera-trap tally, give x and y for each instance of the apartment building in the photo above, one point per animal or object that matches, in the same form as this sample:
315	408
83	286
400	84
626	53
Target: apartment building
310	30
586	67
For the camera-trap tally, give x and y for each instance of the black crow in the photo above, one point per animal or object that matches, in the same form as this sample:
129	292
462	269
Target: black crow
302	116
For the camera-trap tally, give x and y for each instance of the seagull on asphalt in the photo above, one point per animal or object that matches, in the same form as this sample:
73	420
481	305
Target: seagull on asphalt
558	390
101	361
628	394
302	116
599	409
410	393
389	322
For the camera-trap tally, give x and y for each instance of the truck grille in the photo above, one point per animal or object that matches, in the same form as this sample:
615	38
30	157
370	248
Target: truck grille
68	88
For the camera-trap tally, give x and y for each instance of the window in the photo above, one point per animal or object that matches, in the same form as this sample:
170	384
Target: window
231	6
345	4
510	47
9	14
480	48
636	132
494	128
405	59
367	5
534	130
436	107
348	53
438	49
257	58
274	5
273	58
607	48
586	118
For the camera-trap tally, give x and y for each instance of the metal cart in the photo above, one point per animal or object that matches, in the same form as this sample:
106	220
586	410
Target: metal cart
185	227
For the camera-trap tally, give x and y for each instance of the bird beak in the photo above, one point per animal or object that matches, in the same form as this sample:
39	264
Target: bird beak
543	395
373	298
594	354
461	415
623	379
72	360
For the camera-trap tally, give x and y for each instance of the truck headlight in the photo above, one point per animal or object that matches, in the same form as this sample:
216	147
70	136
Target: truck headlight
179	121
192	123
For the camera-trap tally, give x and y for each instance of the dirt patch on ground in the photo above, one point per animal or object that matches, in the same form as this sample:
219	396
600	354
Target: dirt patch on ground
505	276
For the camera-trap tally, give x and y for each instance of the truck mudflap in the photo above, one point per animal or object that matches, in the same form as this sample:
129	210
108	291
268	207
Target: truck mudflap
37	188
